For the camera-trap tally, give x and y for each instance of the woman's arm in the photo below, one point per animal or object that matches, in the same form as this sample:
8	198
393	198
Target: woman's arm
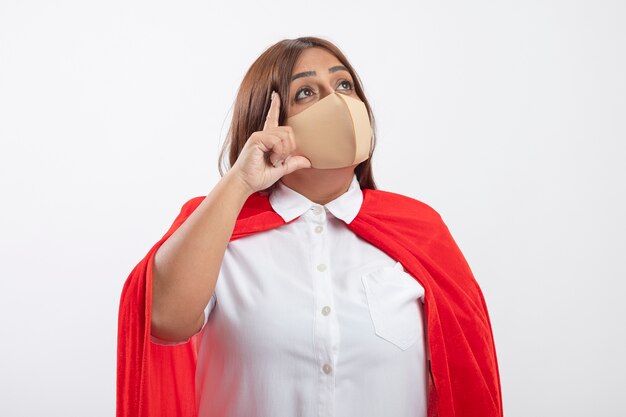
187	264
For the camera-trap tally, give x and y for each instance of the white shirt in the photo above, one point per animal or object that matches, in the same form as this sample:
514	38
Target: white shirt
310	320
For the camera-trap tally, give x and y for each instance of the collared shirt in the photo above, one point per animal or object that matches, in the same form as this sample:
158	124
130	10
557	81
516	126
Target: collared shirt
310	320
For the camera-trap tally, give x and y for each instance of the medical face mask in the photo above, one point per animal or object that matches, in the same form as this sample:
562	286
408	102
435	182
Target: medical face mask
335	132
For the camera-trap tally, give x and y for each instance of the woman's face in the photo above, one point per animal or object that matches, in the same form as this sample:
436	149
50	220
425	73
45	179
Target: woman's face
316	74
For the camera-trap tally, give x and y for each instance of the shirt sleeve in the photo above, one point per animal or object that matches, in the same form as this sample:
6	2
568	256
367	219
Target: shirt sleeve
207	311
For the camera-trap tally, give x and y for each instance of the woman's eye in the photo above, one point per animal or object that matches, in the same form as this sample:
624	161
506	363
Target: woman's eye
348	83
298	97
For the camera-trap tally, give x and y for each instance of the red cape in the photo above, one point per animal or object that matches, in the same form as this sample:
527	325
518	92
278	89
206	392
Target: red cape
157	380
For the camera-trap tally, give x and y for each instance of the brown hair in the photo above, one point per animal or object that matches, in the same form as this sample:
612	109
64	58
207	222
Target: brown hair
272	71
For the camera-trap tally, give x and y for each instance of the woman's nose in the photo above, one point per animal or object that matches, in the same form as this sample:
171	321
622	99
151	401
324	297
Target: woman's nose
326	90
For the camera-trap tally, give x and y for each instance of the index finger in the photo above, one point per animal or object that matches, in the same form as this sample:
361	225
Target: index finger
271	120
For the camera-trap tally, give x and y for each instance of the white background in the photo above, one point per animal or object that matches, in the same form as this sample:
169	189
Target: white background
507	117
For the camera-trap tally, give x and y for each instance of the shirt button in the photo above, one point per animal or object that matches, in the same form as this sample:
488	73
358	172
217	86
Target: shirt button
327	368
318	229
317	210
326	310
321	267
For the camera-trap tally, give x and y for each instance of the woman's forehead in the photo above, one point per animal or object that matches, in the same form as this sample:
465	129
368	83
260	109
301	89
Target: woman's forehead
313	59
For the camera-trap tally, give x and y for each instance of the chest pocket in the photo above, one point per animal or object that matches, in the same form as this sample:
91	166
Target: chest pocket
394	304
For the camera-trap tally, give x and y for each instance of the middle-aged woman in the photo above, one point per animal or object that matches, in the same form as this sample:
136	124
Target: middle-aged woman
296	287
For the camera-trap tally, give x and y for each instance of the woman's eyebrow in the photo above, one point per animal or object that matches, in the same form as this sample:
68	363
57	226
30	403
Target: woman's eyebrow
313	73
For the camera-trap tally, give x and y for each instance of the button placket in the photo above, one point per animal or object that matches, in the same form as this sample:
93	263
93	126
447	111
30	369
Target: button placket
326	325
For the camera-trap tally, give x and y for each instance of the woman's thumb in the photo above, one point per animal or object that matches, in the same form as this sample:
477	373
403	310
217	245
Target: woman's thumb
295	162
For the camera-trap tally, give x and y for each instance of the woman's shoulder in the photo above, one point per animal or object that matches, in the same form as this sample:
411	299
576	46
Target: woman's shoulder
257	203
392	202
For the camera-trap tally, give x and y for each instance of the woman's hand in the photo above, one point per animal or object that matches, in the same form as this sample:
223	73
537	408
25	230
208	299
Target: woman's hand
267	154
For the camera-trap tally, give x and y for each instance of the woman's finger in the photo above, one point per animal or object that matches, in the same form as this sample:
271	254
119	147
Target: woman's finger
273	145
271	120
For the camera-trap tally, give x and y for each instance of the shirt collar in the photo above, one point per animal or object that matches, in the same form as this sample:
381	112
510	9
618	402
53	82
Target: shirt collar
290	204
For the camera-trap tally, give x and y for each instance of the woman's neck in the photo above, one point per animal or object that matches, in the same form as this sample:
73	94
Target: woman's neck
320	185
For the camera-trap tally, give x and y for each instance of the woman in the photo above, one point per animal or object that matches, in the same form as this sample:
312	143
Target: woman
295	287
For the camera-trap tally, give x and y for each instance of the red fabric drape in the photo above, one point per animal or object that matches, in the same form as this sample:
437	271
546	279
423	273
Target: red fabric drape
156	380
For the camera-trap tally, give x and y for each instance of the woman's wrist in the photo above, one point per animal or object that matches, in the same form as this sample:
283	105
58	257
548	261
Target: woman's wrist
234	183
